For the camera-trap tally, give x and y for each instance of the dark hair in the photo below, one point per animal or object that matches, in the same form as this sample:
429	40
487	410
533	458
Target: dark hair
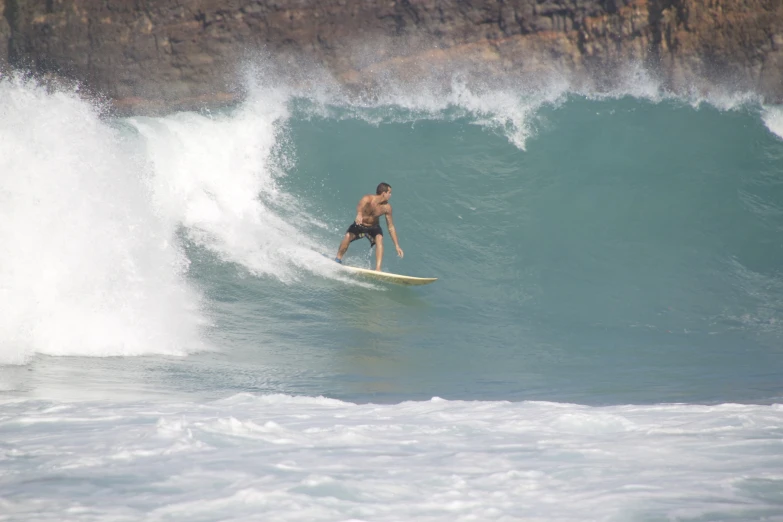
383	187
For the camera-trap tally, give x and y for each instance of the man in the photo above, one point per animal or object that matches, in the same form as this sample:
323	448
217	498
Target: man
368	212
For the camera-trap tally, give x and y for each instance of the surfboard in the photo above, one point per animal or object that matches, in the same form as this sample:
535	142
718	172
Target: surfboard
388	277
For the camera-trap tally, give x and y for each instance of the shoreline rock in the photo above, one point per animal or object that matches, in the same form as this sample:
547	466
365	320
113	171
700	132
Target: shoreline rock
146	56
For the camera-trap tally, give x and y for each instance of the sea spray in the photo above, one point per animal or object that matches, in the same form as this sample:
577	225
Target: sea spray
773	118
216	176
88	268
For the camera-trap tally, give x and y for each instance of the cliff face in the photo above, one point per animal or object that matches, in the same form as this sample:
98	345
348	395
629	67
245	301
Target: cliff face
173	51
5	36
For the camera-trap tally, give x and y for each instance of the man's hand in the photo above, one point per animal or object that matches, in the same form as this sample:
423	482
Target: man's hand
399	251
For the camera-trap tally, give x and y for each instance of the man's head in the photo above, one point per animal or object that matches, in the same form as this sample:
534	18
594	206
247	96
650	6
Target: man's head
384	189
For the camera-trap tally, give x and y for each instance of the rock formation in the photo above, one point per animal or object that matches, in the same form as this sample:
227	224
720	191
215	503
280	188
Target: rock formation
176	52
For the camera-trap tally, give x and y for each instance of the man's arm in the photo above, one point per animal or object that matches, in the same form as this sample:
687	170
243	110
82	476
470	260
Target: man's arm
393	232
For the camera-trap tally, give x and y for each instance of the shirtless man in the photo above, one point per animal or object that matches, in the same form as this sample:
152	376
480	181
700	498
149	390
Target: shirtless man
368	212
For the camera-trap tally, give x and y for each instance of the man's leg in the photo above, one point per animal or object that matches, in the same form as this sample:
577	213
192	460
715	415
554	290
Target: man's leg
344	245
378	251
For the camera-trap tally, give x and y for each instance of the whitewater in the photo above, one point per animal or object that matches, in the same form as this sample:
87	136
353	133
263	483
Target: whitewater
603	341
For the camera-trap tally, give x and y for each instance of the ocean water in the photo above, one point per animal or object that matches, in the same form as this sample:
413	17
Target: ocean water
604	341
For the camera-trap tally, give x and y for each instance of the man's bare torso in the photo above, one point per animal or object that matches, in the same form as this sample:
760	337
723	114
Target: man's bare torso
372	209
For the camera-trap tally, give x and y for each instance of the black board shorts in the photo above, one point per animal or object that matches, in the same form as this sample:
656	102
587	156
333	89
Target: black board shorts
361	231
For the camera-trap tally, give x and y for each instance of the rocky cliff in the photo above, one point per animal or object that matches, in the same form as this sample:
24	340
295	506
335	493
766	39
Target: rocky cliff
180	51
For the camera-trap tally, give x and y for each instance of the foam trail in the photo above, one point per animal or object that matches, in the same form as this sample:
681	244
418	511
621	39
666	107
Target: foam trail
216	177
87	267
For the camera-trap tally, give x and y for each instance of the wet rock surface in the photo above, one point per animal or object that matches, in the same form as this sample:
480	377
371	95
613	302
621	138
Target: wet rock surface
146	55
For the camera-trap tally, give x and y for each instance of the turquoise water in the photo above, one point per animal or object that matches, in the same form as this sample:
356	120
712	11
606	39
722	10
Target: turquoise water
608	255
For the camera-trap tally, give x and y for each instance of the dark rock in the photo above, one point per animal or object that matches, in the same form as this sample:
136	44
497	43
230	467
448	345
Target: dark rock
177	53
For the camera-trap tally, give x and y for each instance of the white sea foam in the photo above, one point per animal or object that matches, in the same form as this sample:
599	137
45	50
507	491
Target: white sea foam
298	458
87	266
773	119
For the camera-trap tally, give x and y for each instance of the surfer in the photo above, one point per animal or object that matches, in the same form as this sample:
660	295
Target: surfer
368	213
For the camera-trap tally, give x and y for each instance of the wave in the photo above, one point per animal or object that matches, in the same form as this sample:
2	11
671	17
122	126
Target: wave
92	208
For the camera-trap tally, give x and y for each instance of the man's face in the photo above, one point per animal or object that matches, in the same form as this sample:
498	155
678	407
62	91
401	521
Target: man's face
386	195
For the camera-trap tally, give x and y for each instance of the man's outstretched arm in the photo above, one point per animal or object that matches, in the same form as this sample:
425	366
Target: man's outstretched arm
393	232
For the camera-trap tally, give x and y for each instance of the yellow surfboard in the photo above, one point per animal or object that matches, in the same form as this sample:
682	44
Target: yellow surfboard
389	277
